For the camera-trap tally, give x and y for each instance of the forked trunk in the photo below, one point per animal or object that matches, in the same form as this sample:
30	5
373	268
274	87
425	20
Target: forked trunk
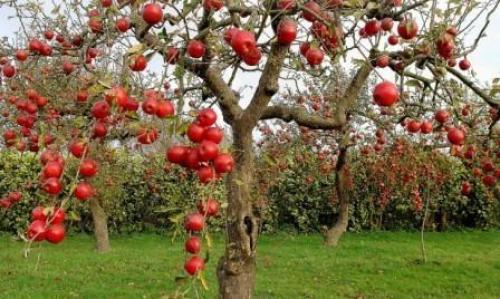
336	231
100	225
236	269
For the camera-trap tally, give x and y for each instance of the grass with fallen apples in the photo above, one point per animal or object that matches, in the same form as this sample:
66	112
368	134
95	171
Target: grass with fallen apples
364	265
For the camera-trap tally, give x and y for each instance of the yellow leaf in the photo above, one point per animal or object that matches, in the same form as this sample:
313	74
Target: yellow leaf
238	182
209	240
95	89
135	49
203	281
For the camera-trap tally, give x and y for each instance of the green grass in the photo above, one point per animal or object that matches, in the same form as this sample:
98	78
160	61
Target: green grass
367	265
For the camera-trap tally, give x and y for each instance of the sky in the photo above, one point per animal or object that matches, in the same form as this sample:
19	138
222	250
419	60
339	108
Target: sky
485	60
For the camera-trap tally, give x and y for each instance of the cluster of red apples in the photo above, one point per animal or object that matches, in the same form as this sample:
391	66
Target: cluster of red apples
386	94
11	199
27	116
204	156
210	164
47	222
47	225
194	223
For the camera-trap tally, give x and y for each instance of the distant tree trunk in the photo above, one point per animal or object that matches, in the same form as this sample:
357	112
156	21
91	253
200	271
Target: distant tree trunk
422	230
444	220
236	269
100	225
338	228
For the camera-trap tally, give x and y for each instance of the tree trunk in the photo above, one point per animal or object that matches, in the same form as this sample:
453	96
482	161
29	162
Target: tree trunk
100	225
338	228
236	269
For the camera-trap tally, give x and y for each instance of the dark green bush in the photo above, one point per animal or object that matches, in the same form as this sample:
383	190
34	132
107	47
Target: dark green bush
295	193
302	197
137	194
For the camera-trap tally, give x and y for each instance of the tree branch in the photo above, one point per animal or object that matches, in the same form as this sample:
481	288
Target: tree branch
410	7
210	74
492	102
268	84
302	117
213	79
351	94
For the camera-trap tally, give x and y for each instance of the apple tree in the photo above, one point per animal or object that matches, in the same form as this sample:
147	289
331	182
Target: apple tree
238	57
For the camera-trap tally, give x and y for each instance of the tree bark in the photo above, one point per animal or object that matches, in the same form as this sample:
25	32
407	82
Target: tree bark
333	234
236	269
100	220
338	228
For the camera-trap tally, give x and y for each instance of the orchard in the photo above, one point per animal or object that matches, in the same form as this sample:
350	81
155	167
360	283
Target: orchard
217	122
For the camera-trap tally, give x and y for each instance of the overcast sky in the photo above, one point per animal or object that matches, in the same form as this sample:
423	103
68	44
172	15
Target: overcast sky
485	60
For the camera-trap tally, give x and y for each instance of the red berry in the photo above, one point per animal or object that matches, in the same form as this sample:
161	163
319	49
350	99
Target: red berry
314	56
193	245
387	24
152	13
311	9
164	109
37	230
213	4
177	154
122	24
57	216
206	117
194	265
100	109
224	163
195	132
408	28
88	167
206	174
196	48
210	207
52	186
208	150
464	64
55	233
385	94
52	170
194	222
84	191
442	116
393	40
456	136
287	31
213	134
38	213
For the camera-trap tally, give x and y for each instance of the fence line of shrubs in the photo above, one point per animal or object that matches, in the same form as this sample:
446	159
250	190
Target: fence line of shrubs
145	195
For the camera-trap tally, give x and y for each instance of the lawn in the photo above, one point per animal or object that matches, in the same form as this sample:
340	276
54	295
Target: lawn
366	265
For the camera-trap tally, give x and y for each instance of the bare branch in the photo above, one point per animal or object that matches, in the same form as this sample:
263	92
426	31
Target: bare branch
410	7
492	102
302	117
268	84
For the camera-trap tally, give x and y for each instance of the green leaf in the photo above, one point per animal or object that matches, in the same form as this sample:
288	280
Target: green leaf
358	62
414	83
176	218
74	216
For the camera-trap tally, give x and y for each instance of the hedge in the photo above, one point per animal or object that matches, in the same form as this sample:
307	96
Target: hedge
143	194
